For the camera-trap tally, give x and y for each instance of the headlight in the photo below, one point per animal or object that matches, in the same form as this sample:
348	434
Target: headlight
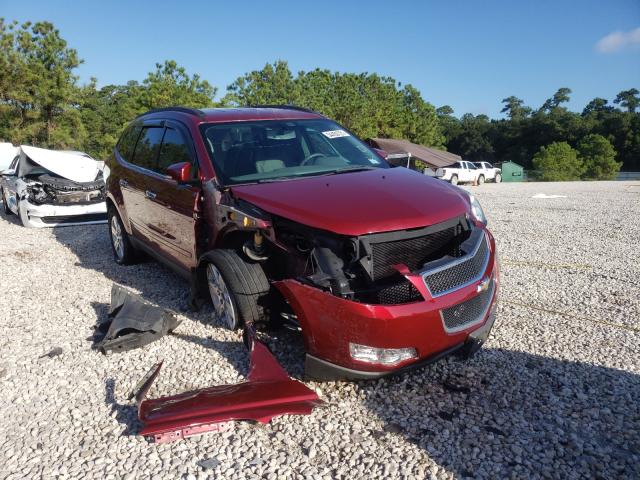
476	210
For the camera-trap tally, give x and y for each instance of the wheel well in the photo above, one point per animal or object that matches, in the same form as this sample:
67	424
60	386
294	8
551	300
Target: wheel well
234	239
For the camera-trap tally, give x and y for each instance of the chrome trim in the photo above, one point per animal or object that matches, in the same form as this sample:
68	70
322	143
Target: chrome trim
458	261
480	319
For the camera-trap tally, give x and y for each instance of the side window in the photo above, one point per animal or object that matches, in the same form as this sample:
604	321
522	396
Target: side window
127	142
146	151
174	150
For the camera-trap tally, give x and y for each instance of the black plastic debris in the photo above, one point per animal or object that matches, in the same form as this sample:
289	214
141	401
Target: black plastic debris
53	353
132	322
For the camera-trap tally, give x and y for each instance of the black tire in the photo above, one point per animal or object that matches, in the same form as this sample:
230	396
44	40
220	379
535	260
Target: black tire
127	255
498	178
5	204
480	179
24	219
247	285
454	179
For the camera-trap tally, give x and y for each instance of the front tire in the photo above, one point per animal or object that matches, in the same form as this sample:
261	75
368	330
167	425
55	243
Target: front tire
454	179
24	216
238	289
5	203
480	179
498	178
123	251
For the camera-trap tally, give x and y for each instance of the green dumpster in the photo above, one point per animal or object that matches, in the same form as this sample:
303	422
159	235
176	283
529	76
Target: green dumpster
512	172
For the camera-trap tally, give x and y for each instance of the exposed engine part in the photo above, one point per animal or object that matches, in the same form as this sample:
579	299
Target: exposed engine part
290	321
60	191
255	249
366	268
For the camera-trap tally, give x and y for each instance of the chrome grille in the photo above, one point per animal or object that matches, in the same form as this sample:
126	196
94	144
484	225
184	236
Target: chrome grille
467	313
459	272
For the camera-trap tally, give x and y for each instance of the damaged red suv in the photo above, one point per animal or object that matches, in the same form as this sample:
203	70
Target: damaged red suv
281	213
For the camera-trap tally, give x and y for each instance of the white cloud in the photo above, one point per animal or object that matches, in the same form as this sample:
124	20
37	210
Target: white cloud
616	41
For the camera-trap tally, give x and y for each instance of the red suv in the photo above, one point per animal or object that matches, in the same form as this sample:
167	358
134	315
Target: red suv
277	212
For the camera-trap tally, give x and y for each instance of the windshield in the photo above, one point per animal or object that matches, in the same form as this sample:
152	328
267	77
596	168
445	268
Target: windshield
274	150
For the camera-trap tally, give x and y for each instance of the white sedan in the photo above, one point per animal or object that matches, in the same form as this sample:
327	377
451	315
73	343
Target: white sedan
46	188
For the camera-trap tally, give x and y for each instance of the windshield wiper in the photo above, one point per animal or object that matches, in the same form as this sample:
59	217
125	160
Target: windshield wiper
352	168
275	179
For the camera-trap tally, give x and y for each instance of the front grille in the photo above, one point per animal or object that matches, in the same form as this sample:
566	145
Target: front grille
395	293
89	217
467	313
413	252
461	272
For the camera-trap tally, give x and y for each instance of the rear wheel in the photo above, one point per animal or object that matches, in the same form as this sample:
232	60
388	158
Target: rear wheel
123	251
454	179
238	289
480	179
498	178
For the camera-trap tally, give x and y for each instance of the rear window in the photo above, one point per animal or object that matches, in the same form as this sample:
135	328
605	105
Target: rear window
146	151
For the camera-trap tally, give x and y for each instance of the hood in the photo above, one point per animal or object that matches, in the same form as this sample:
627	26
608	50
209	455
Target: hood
74	166
360	202
7	154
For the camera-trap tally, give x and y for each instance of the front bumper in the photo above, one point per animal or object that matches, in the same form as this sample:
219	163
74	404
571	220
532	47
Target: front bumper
39	216
318	369
330	323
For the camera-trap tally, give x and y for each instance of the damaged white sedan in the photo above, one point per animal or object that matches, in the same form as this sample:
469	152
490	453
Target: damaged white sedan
47	188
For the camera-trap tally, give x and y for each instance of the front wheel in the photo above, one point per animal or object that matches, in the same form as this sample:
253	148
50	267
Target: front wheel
238	289
23	215
454	180
5	203
498	178
480	179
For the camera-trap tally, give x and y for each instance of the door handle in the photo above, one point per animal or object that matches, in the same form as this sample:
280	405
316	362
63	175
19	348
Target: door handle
123	183
150	195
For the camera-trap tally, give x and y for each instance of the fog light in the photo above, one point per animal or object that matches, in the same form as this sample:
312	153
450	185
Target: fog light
383	356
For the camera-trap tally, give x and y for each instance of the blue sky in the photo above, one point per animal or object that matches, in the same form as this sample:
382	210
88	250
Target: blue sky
466	54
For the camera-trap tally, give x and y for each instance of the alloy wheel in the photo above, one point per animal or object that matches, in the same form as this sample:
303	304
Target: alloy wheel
117	238
221	298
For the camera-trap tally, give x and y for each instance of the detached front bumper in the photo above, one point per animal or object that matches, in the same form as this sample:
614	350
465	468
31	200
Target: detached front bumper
329	324
39	216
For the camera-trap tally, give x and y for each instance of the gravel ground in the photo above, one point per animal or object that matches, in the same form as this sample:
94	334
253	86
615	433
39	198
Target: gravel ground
554	393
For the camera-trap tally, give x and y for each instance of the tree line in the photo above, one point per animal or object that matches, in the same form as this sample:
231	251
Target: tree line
43	104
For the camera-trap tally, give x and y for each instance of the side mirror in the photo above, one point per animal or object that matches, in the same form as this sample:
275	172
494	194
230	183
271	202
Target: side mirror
180	172
8	172
380	152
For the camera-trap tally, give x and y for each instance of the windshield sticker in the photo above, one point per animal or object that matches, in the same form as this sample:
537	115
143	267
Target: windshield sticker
335	134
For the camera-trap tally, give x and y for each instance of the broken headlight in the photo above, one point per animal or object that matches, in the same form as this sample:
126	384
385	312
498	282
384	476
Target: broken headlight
37	194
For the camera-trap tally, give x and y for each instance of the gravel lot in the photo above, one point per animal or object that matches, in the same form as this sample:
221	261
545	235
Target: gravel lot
554	393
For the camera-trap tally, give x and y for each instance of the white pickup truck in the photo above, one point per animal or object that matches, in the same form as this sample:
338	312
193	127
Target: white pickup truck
459	172
488	172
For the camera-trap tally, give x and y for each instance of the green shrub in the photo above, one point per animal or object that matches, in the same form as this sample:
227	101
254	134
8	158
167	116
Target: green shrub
558	162
598	156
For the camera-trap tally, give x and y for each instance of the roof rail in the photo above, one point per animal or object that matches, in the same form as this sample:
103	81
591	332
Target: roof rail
286	107
190	111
